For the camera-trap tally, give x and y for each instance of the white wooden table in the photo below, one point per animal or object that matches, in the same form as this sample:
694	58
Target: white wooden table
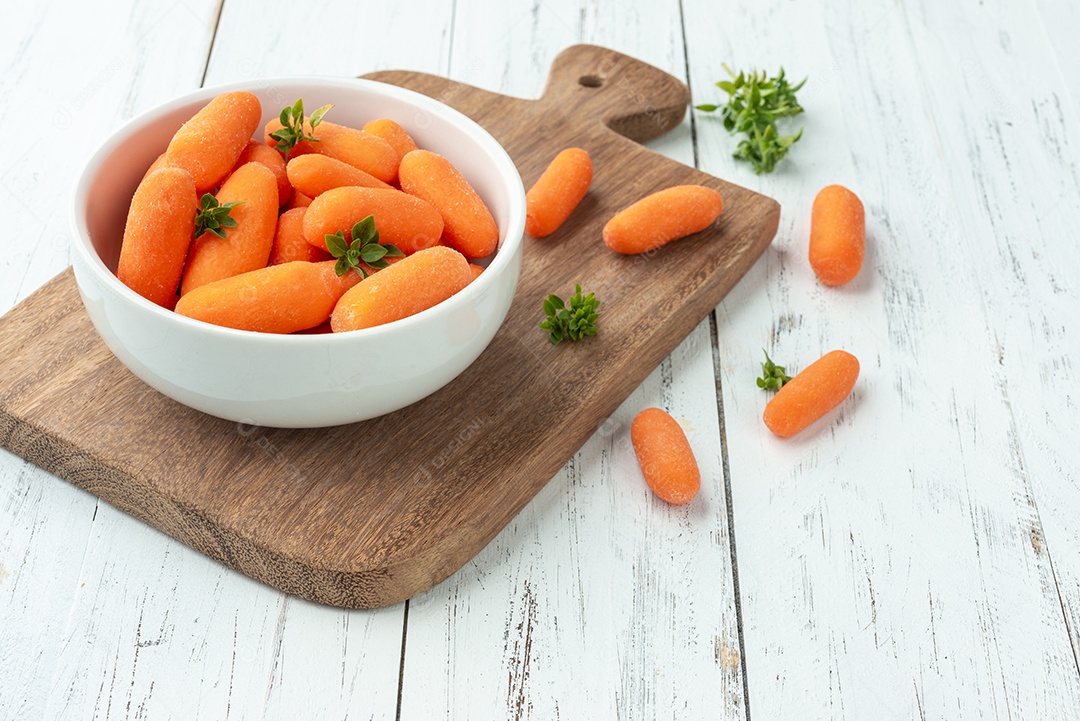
917	555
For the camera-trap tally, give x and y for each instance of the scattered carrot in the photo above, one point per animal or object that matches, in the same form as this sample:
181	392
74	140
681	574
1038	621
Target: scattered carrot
391	132
365	151
413	284
557	192
468	225
402	220
837	235
289	242
245	247
208	144
662	217
314	174
298	200
157	235
277	299
665	456
256	152
812	393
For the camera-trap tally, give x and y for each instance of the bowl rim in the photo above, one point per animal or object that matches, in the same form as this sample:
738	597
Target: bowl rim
511	241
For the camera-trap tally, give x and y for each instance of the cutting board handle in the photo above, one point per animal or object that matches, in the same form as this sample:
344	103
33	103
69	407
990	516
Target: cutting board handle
632	98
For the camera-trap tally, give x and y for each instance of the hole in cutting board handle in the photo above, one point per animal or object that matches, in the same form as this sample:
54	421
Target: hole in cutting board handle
590	81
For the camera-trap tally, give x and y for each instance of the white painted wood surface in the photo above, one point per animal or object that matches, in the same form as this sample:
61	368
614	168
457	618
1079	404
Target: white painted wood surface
915	555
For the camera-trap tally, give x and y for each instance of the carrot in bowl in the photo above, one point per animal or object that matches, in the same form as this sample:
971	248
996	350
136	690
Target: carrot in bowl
208	145
662	217
391	132
665	456
256	152
289	241
557	192
837	235
403	220
314	174
812	393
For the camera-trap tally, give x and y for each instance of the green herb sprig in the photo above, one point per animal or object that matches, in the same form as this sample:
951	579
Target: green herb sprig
773	377
364	248
570	321
213	217
755	103
292	130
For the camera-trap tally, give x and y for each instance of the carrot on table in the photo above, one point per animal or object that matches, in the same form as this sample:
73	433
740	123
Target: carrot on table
665	456
314	174
557	192
391	132
401	219
812	393
256	152
289	241
662	217
837	235
468	225
208	144
157	235
282	298
245	247
413	284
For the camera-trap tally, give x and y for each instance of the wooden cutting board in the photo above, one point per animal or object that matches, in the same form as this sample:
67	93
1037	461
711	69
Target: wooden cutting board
369	514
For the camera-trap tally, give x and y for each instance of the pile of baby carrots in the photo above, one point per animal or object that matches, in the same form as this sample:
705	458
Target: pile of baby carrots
232	229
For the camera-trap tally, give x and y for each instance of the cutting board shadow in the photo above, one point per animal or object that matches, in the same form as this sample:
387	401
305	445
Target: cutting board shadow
369	514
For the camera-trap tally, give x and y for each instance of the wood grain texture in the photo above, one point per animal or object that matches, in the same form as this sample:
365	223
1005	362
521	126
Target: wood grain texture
277	504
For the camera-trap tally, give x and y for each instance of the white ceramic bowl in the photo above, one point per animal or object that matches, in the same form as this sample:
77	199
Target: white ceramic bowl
296	381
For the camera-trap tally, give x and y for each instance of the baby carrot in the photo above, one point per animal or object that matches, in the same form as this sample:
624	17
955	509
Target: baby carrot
208	144
314	174
401	219
365	151
298	200
160	223
159	163
476	270
819	388
557	192
245	247
662	217
277	299
256	152
837	235
468	225
415	283
665	456
289	242
391	132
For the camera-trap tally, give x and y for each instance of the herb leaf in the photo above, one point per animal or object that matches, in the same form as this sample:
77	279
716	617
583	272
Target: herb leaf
213	217
364	252
755	103
570	322
772	376
292	130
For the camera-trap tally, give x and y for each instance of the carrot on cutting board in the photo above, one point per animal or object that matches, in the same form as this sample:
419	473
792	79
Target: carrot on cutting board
415	283
277	299
665	456
391	132
157	235
468	225
401	219
256	152
557	192
837	235
289	241
245	247
812	393
662	217
208	145
314	174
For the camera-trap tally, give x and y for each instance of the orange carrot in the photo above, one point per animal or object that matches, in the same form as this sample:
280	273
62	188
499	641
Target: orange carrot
159	163
289	242
815	391
245	247
407	287
837	235
302	147
208	144
277	299
665	456
298	200
391	132
314	174
365	151
476	270
160	223
662	217
557	192
256	152
401	219
468	225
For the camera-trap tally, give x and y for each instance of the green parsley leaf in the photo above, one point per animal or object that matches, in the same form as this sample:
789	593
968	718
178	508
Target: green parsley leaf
772	376
363	252
213	217
570	322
